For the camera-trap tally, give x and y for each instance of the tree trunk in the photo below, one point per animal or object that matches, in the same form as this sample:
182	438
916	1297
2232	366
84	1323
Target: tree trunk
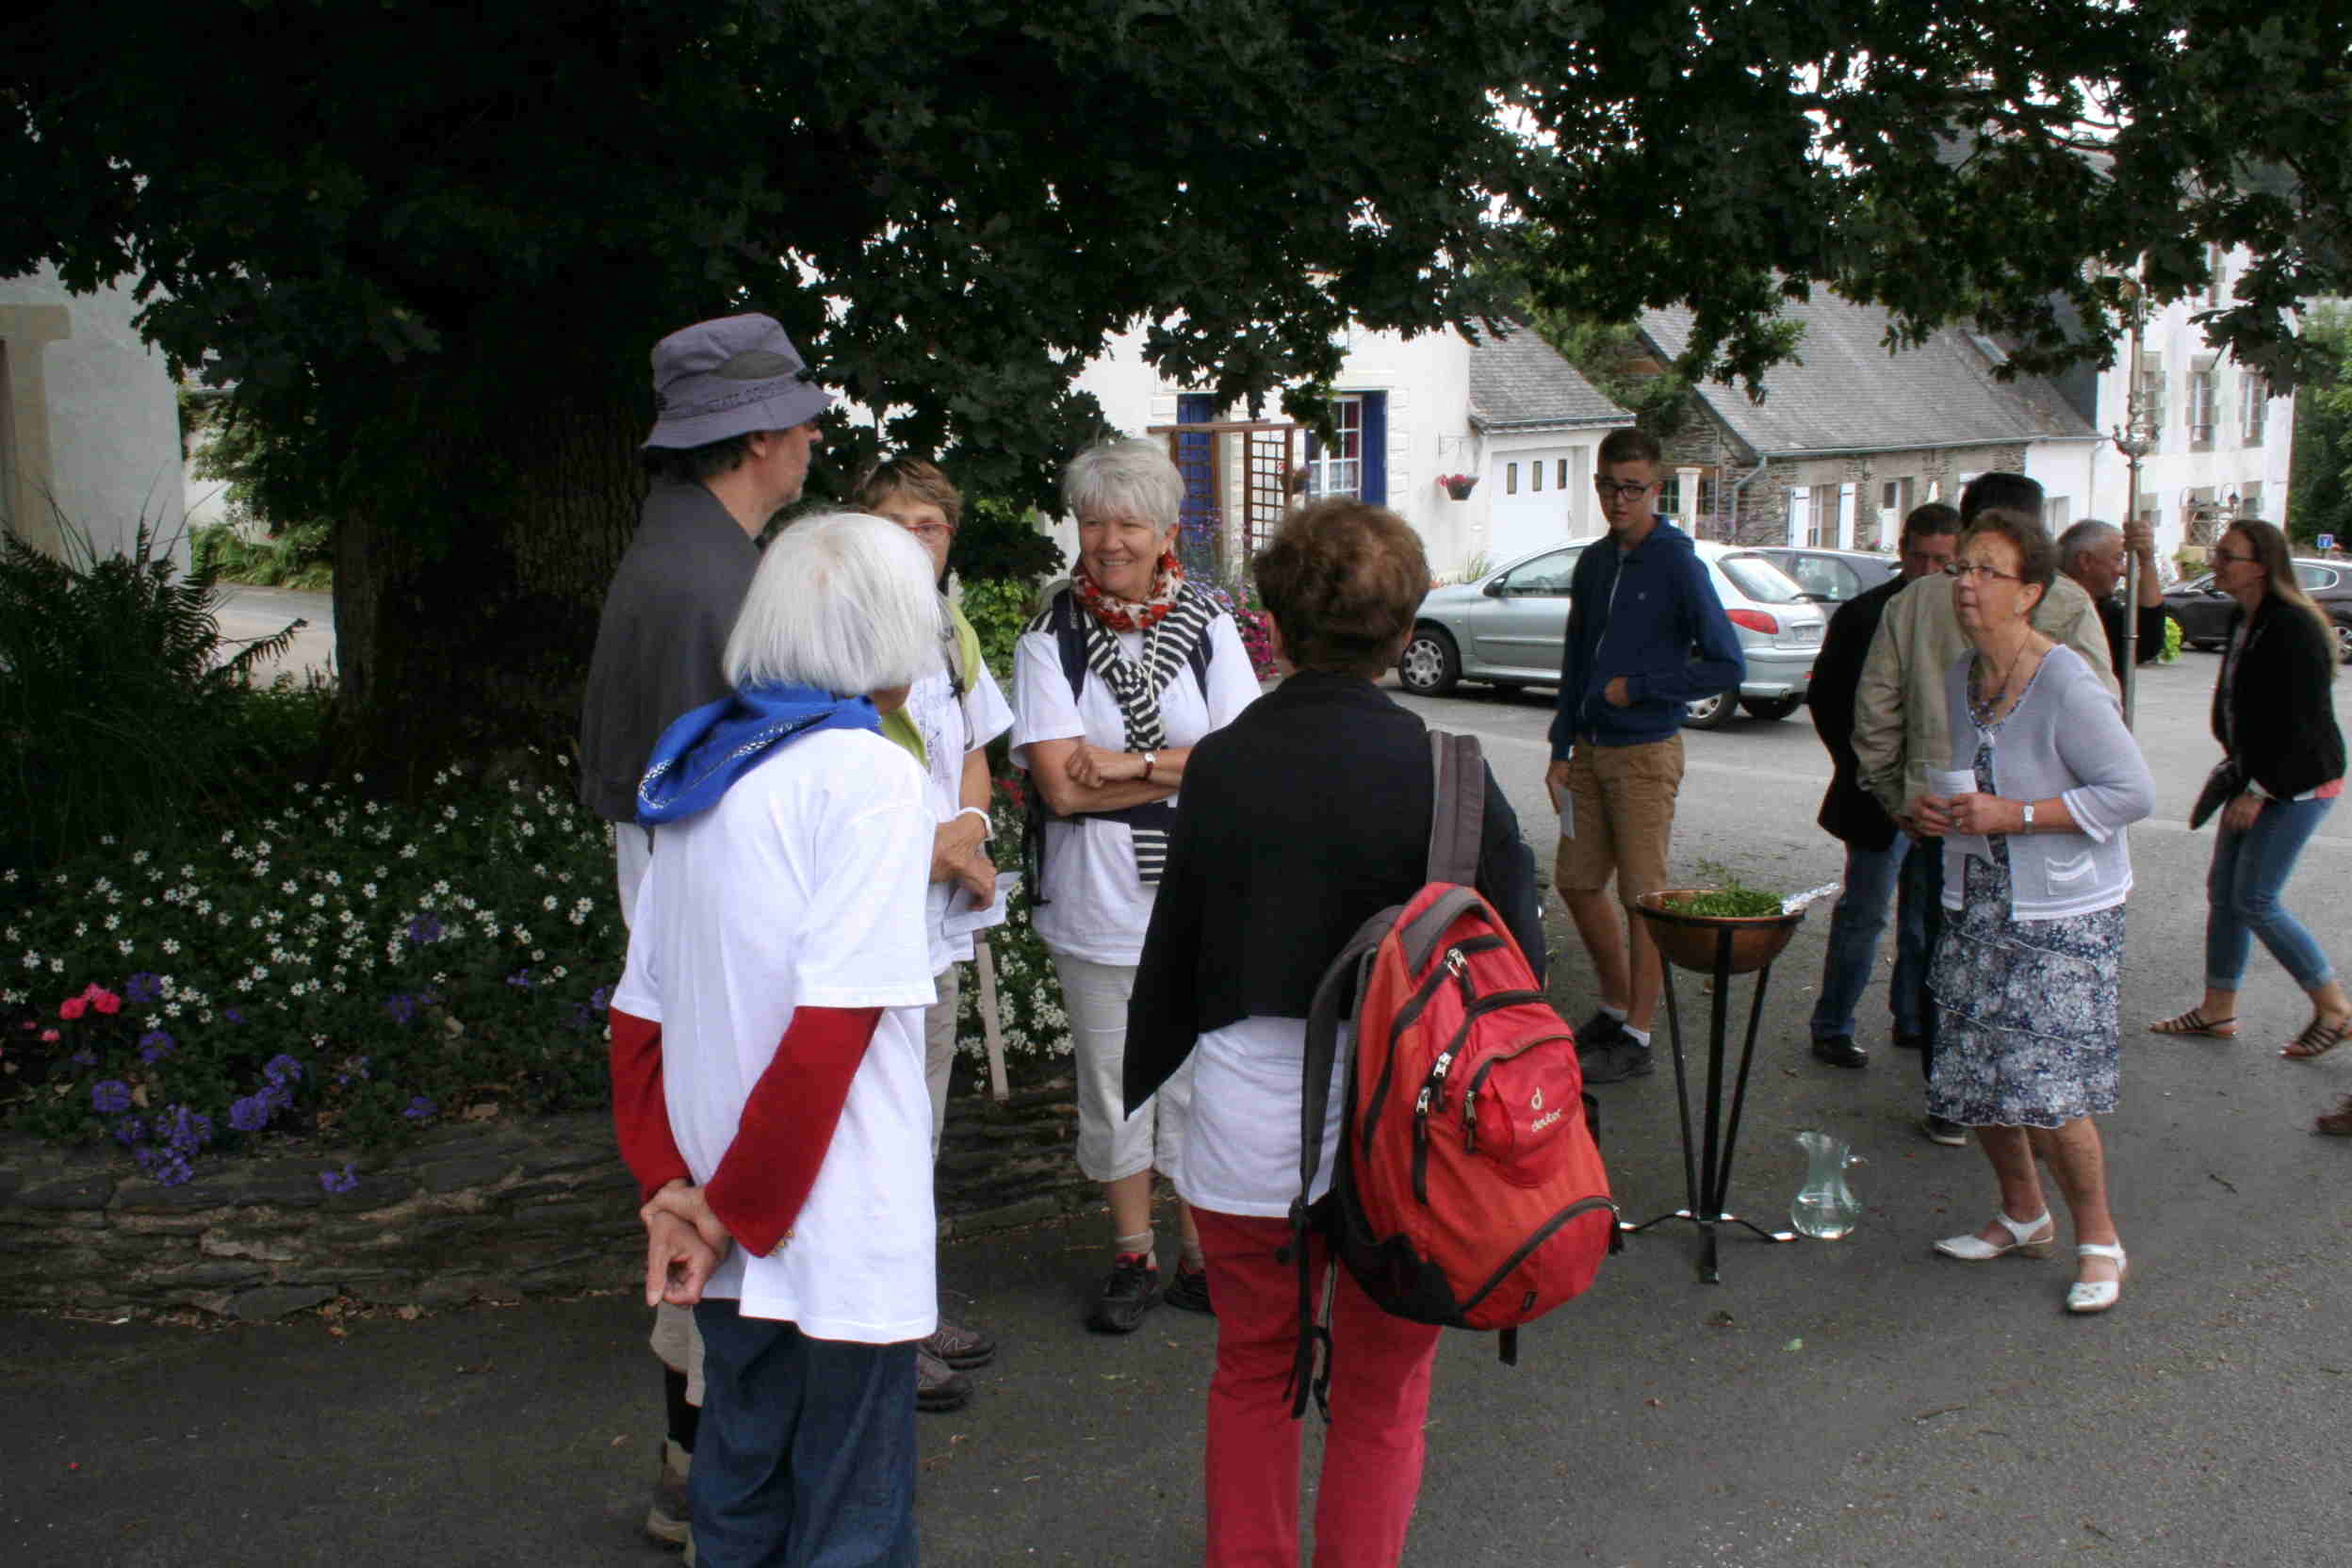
466	636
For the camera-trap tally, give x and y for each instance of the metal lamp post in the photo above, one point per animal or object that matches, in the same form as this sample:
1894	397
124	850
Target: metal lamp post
2134	439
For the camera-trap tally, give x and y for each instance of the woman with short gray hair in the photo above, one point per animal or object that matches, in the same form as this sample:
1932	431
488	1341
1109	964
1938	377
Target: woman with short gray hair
768	1052
1112	685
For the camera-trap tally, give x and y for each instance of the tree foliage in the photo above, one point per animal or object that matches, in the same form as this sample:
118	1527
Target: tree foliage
2319	499
428	245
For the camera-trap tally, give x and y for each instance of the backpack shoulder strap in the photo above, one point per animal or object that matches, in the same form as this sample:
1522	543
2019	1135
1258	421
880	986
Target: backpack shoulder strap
1060	617
1457	825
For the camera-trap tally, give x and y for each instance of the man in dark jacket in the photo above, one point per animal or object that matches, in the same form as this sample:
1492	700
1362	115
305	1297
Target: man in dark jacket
1646	635
1875	847
729	449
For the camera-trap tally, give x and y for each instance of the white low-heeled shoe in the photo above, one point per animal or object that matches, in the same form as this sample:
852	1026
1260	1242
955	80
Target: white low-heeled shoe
2097	1295
2023	1240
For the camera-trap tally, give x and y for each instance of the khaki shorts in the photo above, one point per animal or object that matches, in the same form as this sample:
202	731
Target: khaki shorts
1624	800
1113	1145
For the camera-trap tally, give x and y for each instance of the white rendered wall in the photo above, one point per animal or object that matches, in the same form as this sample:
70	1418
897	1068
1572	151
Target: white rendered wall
94	417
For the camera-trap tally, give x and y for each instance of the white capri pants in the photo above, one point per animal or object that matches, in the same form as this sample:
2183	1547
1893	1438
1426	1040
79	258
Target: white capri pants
1111	1143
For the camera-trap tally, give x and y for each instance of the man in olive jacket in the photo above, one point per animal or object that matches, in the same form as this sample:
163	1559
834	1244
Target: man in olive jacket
1901	729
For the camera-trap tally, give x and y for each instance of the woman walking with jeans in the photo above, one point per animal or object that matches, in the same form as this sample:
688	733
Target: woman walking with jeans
2275	717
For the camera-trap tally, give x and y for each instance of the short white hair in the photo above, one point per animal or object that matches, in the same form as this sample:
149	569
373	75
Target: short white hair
1125	478
843	602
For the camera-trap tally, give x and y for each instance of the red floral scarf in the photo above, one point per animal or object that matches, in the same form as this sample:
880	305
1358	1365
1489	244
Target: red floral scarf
1118	614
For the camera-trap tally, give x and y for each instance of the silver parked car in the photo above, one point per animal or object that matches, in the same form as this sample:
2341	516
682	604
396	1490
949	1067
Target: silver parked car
1506	627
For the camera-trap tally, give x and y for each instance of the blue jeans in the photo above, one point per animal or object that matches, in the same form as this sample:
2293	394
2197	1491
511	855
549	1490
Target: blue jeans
2251	870
805	1457
1854	931
1919	921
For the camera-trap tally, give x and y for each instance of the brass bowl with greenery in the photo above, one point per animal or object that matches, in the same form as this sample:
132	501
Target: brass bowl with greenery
1687	922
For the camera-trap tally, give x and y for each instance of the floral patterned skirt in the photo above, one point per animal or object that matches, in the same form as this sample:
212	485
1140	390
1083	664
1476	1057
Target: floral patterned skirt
2025	1010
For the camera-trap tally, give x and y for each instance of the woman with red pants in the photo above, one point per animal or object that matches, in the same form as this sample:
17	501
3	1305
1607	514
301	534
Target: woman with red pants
1302	818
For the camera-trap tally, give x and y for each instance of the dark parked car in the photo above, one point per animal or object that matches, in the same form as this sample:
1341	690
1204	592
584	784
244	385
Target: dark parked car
2203	609
1831	576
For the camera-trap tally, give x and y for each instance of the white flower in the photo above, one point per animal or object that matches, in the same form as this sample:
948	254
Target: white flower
318	901
408	852
56	966
367	889
125	945
546	903
203	906
289	887
81	928
522	937
171	1010
559	971
262	848
170	946
32	959
114	922
538	955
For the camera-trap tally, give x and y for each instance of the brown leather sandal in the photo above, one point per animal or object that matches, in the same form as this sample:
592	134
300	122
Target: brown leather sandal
2316	1040
2338	1122
2194	1021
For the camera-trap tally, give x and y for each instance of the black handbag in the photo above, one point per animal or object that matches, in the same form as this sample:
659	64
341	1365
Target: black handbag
2227	779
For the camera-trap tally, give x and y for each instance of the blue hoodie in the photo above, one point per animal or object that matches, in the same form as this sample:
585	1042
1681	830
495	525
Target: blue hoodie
1650	615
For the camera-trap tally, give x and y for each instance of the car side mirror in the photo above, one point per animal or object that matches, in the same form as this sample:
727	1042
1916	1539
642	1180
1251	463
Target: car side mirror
1498	588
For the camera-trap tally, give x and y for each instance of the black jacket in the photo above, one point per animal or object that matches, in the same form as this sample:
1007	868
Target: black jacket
2150	645
1849	812
2281	690
1299	821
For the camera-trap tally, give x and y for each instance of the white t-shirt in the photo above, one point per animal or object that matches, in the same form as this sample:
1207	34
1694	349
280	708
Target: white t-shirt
1096	904
804	885
948	737
1241	1148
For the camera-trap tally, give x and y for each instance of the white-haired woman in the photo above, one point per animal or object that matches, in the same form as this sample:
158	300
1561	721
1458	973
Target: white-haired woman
768	1052
1112	684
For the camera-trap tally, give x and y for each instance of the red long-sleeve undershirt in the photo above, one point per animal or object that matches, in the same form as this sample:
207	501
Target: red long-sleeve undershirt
782	1136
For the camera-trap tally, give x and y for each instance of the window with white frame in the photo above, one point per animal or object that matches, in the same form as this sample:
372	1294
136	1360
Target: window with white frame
1510	479
1670	496
1535	476
2253	409
2204	399
2153	393
1335	467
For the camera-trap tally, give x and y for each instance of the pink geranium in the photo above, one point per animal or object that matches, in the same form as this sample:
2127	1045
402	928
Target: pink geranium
72	1007
48	1037
103	1000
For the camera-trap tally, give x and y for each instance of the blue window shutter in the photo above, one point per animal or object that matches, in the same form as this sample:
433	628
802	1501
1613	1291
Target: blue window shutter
1196	462
1375	448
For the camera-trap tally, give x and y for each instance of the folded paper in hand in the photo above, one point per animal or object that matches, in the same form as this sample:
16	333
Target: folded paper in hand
964	917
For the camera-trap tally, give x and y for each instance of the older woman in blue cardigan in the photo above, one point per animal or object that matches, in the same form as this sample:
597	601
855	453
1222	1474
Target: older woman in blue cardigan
2043	778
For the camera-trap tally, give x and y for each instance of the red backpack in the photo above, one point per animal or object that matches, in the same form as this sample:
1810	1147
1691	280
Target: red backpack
1468	1189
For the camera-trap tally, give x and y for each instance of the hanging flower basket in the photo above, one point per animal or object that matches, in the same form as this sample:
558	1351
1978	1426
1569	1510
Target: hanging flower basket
1458	485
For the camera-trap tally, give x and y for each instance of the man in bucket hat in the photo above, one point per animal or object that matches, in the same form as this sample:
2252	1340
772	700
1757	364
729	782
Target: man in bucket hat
735	423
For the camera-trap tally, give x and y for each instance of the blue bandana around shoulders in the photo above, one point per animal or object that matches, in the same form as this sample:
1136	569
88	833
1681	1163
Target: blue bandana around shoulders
702	754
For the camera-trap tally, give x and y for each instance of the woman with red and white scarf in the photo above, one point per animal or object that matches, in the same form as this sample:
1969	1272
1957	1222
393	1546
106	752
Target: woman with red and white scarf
1113	683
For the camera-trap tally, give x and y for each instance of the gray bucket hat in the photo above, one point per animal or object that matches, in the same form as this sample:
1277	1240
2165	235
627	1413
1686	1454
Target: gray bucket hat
723	378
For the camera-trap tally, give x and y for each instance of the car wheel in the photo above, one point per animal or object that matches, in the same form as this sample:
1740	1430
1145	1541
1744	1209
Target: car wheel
1709	713
1771	708
1429	666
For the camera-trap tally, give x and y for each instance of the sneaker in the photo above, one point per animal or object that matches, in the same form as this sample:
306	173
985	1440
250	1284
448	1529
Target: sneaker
1617	1060
958	1346
1909	1042
1840	1050
1189	1290
1597	1031
668	1519
1945	1130
1132	1290
939	1387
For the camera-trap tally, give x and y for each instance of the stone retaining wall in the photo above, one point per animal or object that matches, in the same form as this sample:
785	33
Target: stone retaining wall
490	1211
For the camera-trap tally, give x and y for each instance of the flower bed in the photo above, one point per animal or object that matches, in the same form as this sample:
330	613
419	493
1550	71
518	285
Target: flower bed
344	967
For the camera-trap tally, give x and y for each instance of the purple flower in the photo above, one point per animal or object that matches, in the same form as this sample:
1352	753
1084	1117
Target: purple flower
153	1046
344	1179
186	1131
280	1067
143	987
232	1015
168	1168
600	999
251	1114
401	1005
520	977
423	929
85	1057
110	1096
419	1109
130	1130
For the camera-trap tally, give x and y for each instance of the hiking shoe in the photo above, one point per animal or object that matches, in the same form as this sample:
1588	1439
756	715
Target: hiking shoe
668	1519
958	1346
1189	1290
1617	1060
1945	1130
939	1387
1597	1031
1132	1290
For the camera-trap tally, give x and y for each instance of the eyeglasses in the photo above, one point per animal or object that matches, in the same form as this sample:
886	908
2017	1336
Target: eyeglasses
1980	571
929	532
1615	490
2232	555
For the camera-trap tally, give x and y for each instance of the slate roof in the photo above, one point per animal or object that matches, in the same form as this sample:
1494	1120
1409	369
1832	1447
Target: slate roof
1851	395
1519	382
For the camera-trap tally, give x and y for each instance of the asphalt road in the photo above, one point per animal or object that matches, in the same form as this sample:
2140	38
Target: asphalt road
247	613
1856	1402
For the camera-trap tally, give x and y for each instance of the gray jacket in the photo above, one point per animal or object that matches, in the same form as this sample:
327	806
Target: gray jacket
2065	739
662	638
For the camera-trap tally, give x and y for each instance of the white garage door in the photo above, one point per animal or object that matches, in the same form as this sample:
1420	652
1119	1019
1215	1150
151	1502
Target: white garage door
1535	493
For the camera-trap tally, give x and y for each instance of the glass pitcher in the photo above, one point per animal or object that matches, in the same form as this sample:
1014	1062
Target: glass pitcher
1825	1206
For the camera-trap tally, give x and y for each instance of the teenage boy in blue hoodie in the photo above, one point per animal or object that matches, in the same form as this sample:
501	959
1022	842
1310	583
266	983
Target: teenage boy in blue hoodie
1646	635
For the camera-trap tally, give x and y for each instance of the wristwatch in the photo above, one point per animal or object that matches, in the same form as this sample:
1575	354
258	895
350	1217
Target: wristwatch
2029	816
1151	760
